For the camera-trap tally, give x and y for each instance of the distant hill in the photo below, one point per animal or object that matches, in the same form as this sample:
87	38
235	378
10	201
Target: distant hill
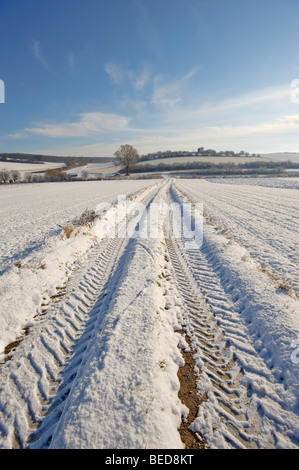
283	156
37	158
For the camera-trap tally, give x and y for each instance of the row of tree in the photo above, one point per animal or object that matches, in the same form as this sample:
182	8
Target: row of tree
257	166
126	156
40	159
51	175
9	176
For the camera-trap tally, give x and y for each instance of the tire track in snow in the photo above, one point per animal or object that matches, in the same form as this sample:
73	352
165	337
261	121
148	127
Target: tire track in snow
253	223
215	353
91	293
234	382
36	382
49	366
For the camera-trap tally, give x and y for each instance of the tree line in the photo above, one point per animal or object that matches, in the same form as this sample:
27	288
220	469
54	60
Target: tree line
50	175
228	167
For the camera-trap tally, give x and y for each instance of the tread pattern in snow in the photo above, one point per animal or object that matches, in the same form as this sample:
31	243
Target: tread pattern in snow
237	386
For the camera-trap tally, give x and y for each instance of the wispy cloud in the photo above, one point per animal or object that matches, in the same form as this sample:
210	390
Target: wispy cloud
155	112
253	138
183	94
115	72
272	95
86	125
39	56
282	125
252	107
138	79
147	29
18	135
157	90
166	93
142	77
256	138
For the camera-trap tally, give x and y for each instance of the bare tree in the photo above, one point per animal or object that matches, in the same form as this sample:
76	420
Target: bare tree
28	177
4	176
84	175
15	175
127	156
38	178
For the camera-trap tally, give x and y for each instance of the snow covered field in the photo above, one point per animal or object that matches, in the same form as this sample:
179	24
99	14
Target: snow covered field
204	159
32	212
263	218
98	331
271	182
34	257
94	169
29	167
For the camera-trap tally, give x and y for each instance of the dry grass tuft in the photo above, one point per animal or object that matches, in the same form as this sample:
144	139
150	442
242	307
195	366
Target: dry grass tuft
67	231
284	285
86	219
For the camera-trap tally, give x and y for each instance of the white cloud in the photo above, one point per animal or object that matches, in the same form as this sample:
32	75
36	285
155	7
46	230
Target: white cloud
171	115
142	77
274	96
248	106
138	79
283	125
17	135
166	94
115	72
89	123
154	90
263	137
39	56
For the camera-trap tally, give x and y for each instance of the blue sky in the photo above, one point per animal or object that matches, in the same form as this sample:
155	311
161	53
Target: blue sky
83	77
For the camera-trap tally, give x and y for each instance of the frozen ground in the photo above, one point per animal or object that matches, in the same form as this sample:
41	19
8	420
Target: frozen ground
35	257
28	167
99	327
271	182
32	212
94	169
260	214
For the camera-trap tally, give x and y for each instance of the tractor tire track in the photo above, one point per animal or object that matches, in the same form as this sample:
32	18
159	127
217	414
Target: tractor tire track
37	380
50	364
237	392
234	385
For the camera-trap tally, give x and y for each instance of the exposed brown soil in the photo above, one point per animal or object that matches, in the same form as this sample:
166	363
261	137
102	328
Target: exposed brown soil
189	396
11	346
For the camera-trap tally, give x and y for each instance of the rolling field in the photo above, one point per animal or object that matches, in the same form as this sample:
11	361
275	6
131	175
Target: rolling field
205	159
118	333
